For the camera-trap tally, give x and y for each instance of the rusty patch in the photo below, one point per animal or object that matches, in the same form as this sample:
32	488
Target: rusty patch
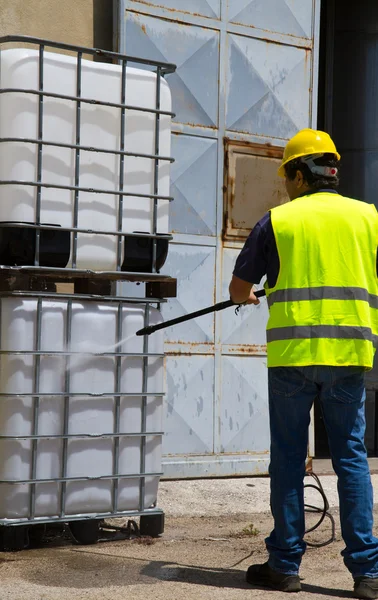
249	189
156	5
263	149
188	348
255	135
164	18
175	10
308	54
214	127
186	352
308	46
248	350
194	344
143	28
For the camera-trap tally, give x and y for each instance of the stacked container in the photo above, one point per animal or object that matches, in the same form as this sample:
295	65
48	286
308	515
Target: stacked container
84	198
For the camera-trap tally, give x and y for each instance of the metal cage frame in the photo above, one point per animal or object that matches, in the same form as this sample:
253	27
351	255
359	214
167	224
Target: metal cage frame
116	435
160	69
39	273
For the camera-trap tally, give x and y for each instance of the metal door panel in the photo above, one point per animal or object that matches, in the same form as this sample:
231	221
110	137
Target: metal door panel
189	409
275	81
195	51
291	17
194	267
244	412
192	185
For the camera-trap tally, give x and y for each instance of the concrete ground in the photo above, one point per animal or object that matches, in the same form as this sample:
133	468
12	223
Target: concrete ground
214	530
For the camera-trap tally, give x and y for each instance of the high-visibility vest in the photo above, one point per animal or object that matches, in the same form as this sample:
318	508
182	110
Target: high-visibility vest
324	306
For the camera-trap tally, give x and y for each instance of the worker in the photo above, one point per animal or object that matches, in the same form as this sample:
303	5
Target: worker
319	254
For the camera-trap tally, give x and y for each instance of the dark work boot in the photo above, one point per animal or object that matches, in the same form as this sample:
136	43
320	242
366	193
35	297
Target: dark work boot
264	576
366	587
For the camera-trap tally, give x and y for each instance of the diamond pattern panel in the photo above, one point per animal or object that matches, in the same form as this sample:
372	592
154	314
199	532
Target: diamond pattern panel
291	17
275	80
189	407
194	50
204	8
244	410
192	185
249	325
194	268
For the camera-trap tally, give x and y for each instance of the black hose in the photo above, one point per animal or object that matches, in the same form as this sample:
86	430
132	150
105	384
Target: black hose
323	512
195	315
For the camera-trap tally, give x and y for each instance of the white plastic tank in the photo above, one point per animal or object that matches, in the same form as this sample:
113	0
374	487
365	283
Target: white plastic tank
100	128
94	329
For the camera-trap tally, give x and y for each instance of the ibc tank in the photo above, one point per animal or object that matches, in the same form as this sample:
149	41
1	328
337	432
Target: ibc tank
100	128
92	457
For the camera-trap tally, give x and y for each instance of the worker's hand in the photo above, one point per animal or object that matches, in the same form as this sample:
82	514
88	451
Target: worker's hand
252	299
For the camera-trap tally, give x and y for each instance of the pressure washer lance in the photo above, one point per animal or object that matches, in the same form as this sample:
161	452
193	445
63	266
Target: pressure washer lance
324	511
194	315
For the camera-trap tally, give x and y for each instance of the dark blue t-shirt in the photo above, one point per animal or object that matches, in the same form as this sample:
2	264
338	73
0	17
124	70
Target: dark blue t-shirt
259	256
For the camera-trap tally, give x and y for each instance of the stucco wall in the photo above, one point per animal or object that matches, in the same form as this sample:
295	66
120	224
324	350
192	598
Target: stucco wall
69	21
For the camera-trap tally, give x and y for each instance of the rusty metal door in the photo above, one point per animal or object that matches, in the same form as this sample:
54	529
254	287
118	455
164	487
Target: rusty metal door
247	73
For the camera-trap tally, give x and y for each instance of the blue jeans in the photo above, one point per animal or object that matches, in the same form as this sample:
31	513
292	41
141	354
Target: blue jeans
341	392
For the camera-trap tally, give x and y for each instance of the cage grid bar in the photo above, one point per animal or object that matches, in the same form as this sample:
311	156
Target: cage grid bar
86	148
79	230
143	425
117	410
81	436
77	158
85	394
167	68
156	170
34	481
36	401
121	164
66	409
94	354
38	200
74	188
80	517
131	107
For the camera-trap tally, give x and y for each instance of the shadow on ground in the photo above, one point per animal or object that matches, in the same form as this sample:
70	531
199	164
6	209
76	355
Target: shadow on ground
82	569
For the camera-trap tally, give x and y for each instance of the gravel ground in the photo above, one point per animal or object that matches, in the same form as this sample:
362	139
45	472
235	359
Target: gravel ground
197	558
212	497
214	530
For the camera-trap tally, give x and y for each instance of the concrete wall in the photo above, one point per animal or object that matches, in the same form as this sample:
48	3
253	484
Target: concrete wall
81	22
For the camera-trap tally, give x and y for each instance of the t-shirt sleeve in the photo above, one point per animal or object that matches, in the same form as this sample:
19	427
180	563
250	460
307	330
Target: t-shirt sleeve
251	264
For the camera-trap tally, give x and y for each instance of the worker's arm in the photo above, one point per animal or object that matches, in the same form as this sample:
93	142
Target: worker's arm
241	292
251	264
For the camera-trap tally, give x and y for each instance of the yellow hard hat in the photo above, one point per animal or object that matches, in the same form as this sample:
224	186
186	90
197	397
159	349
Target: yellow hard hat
305	143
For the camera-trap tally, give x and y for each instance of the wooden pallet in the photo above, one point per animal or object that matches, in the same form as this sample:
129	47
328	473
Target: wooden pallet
81	282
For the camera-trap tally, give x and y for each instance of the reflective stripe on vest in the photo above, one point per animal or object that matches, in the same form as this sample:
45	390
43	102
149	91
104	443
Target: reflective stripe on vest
324	306
300	332
323	293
